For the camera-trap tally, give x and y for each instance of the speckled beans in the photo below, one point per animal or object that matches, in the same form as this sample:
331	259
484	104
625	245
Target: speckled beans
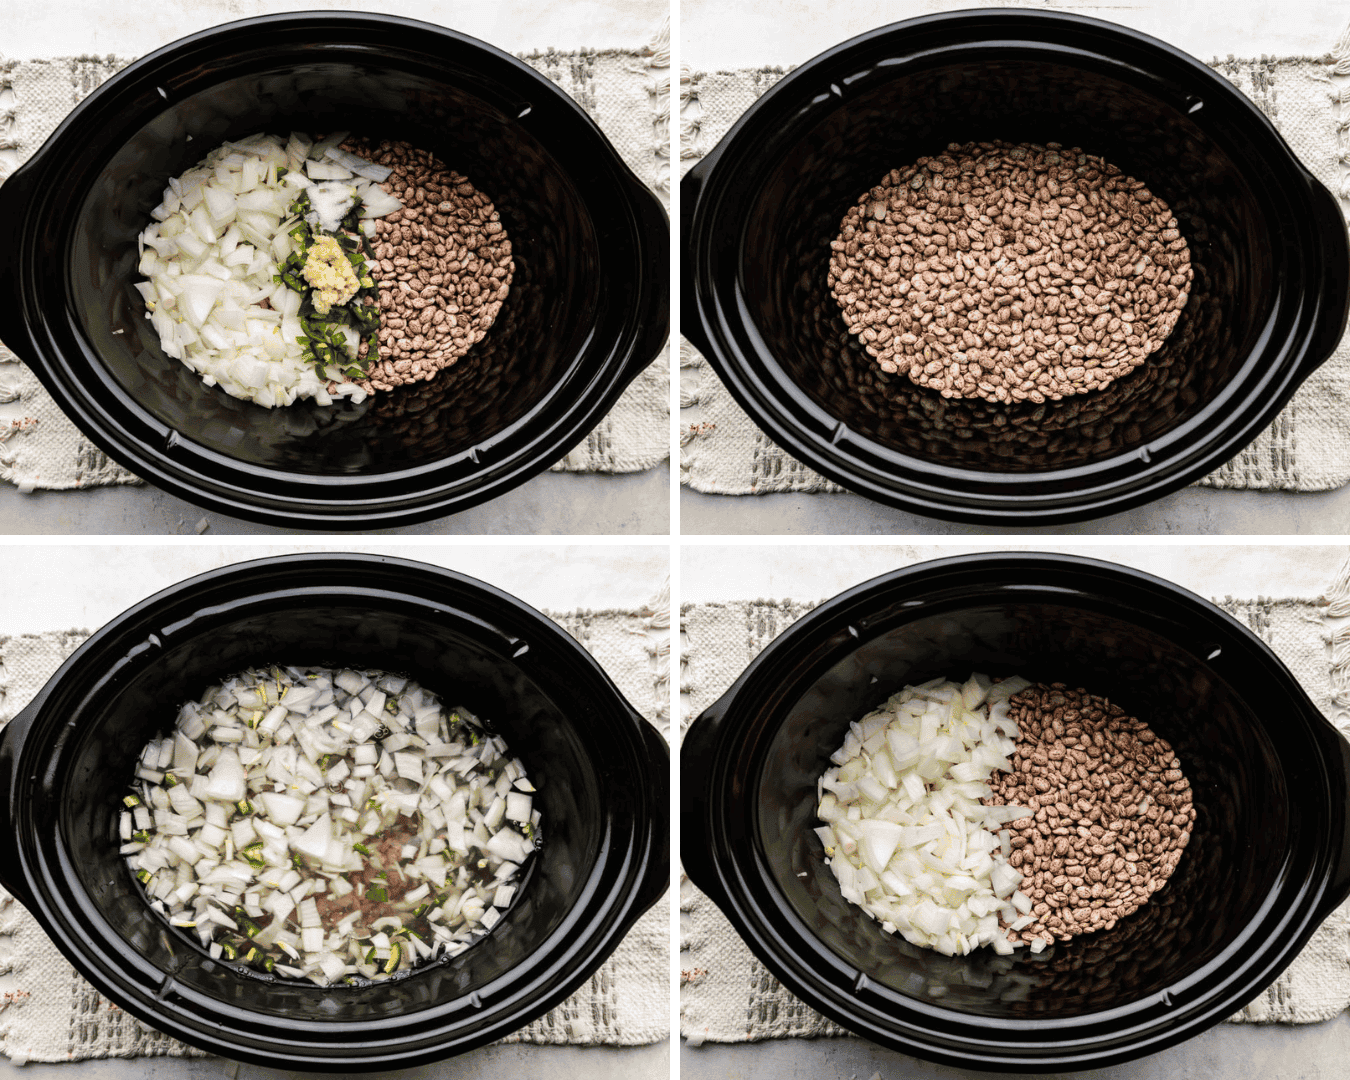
1010	273
1112	809
443	265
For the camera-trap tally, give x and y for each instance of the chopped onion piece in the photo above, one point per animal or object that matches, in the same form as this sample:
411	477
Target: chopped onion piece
359	166
211	253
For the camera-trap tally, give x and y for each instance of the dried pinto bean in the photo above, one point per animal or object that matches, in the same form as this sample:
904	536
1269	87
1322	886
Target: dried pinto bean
1112	795
1010	273
445	266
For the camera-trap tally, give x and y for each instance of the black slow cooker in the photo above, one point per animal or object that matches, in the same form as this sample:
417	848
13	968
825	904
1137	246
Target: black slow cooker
587	311
1268	247
600	769
1267	861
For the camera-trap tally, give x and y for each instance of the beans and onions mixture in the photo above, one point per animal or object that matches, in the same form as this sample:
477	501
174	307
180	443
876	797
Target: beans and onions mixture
331	825
1010	273
284	269
1001	814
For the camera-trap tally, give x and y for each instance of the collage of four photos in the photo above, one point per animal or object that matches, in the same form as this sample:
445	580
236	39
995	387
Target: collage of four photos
662	540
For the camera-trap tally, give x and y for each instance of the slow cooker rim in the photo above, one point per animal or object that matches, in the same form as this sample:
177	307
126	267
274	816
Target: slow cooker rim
715	311
732	859
630	227
619	887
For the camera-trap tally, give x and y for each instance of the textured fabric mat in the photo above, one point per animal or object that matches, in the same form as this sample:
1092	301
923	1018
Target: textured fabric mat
727	995
626	92
48	1012
1304	449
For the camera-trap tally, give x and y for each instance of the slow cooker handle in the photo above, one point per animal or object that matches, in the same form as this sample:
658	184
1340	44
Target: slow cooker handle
691	325
13	200
696	769
654	330
1339	888
1335	306
11	745
656	876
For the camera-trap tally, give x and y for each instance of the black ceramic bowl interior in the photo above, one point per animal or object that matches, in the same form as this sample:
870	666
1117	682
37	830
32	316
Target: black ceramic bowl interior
1266	863
601	771
1268	247
587	311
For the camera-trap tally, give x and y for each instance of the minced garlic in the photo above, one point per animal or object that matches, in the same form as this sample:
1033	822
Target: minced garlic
330	275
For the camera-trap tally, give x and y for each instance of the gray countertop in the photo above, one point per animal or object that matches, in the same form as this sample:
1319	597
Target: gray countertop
490	1063
1191	511
549	504
1225	1052
638	504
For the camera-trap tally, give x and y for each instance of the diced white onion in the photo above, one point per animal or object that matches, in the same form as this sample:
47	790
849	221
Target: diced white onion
212	251
906	833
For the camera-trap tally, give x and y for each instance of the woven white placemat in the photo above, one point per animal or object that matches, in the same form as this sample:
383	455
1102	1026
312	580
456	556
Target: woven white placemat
727	995
50	1013
1304	449
626	92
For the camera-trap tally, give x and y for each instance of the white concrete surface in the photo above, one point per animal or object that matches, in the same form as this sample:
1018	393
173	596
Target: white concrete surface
814	572
551	503
60	586
719	36
489	1063
1189	512
1226	1052
73	27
